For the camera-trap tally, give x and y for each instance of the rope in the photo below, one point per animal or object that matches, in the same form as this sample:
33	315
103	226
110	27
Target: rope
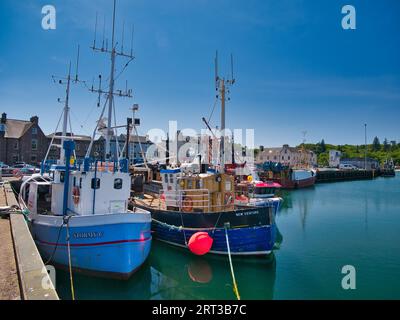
235	287
183	228
69	262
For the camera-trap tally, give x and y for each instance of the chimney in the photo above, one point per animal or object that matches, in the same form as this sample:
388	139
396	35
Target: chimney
35	120
4	118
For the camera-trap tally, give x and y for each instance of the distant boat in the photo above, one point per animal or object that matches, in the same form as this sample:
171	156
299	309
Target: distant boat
288	177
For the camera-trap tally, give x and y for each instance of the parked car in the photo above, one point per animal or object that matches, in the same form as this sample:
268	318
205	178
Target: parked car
347	167
4	166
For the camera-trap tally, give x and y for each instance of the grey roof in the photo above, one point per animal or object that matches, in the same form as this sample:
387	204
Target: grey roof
15	129
78	136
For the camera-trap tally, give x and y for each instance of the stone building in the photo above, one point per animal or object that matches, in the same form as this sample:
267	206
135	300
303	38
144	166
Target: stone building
288	156
21	141
81	145
135	154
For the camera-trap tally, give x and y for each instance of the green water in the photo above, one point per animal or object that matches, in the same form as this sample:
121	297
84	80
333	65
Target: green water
323	229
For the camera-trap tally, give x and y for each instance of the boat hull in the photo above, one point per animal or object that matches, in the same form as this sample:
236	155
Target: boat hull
297	184
113	245
251	230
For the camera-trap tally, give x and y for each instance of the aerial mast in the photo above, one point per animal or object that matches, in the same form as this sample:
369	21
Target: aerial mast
114	53
222	87
66	115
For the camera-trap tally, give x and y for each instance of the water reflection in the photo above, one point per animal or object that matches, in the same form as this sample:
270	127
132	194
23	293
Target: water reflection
185	276
299	201
174	273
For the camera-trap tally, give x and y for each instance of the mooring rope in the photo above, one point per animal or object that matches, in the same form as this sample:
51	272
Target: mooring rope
70	263
235	287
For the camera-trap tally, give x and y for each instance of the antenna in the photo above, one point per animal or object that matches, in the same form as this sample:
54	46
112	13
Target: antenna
123	36
95	31
104	32
216	68
232	76
133	30
77	64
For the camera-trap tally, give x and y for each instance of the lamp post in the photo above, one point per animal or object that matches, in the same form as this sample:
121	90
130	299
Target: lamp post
365	159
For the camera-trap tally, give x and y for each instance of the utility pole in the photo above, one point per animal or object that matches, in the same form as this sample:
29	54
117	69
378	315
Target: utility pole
365	159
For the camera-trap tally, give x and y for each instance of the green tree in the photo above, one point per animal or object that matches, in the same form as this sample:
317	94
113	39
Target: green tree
323	146
376	144
323	160
386	145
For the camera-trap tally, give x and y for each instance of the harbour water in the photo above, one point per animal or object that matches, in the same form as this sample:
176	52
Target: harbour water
323	229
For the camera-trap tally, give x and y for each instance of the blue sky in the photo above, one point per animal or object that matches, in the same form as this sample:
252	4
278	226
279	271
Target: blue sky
296	68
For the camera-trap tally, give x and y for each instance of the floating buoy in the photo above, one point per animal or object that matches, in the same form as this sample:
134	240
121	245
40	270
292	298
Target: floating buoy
200	243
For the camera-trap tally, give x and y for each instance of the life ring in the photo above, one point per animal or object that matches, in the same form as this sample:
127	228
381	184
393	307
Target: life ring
229	198
17	173
187	205
76	195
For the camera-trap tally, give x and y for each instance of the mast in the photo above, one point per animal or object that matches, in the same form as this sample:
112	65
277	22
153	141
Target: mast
111	92
222	87
66	115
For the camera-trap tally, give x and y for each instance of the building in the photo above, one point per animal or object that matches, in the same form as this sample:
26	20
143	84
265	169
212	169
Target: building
372	164
22	141
81	145
287	155
135	151
334	158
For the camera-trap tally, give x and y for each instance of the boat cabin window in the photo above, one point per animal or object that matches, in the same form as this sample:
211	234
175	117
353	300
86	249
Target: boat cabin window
80	183
264	191
95	183
171	178
118	184
74	182
166	178
62	177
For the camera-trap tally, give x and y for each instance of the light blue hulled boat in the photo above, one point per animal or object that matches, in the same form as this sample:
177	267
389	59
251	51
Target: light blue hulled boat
86	209
79	215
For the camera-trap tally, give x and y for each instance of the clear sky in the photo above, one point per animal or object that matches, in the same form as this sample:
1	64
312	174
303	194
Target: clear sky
296	68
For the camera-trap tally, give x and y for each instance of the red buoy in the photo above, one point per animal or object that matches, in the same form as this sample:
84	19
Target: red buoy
200	243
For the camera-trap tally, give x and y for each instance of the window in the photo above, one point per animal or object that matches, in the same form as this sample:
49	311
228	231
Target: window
74	182
118	184
33	158
80	183
95	183
34	131
62	177
16	145
34	144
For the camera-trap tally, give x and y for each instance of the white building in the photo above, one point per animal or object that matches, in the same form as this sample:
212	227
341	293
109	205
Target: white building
288	156
334	158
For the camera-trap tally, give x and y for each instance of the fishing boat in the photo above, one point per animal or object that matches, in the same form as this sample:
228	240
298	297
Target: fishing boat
200	200
78	211
288	178
205	202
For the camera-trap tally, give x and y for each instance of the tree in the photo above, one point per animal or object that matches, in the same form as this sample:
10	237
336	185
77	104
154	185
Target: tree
376	144
386	145
323	160
323	146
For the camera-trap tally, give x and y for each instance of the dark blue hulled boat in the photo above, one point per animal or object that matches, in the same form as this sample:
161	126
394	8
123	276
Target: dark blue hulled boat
205	202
